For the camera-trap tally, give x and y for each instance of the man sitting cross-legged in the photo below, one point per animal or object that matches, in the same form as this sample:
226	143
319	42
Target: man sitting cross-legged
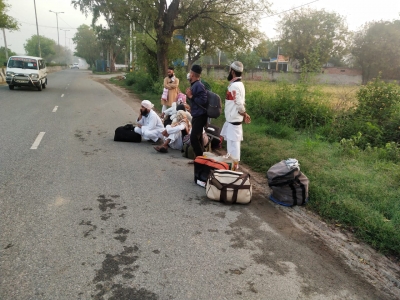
173	133
149	124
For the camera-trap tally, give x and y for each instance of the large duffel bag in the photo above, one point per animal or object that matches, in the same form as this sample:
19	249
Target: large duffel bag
289	185
203	166
229	187
127	134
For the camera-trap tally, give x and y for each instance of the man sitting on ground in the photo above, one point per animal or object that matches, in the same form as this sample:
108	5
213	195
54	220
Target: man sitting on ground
173	133
149	124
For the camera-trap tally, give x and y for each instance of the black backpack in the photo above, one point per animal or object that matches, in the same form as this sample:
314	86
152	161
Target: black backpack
127	134
214	105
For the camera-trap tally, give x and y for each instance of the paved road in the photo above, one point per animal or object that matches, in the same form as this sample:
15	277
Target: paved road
84	217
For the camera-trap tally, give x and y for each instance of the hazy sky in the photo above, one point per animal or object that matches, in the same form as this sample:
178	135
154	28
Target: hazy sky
356	12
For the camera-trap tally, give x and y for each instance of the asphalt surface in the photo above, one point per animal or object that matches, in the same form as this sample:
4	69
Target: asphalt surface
84	217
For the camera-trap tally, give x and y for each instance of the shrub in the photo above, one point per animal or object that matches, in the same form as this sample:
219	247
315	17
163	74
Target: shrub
142	81
298	106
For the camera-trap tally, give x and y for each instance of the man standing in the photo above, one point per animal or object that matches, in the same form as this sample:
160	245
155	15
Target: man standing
235	112
171	83
197	96
149	124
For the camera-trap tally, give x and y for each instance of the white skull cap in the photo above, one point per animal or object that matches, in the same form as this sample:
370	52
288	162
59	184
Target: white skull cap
147	104
237	66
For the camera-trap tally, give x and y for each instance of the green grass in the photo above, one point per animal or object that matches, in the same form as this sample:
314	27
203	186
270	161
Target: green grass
360	192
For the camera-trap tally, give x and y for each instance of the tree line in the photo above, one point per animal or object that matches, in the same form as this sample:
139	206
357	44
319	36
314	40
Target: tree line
163	32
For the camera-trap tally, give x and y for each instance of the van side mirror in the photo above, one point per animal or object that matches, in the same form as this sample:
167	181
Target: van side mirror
5	64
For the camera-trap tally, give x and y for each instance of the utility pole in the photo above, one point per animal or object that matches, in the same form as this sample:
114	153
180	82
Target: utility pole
57	12
37	30
5	43
65	31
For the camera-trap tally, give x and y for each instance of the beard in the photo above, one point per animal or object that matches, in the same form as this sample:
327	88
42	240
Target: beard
144	112
170	75
230	77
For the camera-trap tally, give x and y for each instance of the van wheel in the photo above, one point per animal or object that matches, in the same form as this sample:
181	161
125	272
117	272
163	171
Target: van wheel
11	87
39	87
44	84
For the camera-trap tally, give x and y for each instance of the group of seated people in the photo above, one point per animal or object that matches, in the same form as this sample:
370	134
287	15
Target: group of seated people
167	130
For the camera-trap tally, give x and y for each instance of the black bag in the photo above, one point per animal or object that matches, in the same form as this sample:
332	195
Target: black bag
203	166
214	105
213	132
289	187
127	134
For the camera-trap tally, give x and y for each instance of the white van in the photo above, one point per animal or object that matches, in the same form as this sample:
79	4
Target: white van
26	71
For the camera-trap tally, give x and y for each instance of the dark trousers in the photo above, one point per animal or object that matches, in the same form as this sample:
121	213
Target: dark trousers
196	136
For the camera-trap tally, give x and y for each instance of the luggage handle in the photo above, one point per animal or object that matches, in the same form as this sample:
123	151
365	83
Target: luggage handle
223	187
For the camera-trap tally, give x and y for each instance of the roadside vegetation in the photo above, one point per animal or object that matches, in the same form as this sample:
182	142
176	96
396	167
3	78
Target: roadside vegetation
345	138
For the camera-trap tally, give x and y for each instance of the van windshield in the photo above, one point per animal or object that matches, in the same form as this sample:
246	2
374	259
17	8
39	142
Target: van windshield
22	63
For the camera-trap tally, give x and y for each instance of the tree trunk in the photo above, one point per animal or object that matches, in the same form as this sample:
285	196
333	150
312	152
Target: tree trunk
164	27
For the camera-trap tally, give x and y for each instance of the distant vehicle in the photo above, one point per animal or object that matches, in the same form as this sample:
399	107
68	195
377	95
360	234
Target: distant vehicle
75	66
26	71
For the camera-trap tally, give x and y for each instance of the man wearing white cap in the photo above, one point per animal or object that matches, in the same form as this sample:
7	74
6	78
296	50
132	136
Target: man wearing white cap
149	124
235	112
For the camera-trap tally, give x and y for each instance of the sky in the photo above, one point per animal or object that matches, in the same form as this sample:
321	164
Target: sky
356	13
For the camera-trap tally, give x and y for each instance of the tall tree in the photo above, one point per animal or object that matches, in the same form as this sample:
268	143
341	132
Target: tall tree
6	21
162	19
376	48
47	46
305	30
87	45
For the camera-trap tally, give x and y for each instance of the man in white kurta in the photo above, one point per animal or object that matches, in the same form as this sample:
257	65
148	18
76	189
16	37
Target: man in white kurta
235	111
149	124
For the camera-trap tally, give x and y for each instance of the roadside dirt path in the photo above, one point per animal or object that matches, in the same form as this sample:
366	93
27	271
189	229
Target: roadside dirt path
333	244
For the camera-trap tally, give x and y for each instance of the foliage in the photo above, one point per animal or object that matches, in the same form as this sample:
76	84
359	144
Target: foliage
3	54
293	105
47	46
376	118
141	80
375	49
86	43
303	30
263	48
160	20
6	21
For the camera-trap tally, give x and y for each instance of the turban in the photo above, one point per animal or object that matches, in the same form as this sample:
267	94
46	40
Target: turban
147	104
237	66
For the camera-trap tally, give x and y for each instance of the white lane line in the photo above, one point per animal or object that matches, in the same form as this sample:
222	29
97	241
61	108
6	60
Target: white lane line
62	95
55	108
38	140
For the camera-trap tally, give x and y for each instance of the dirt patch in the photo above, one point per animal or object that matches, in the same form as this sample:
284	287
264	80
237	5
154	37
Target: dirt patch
356	264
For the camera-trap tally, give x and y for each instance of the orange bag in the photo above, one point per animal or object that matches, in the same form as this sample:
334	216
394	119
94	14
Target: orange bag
203	166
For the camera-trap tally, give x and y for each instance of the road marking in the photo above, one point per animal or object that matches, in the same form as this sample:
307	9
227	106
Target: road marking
62	95
38	140
55	109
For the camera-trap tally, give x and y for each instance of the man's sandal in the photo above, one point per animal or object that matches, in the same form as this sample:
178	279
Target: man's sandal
161	149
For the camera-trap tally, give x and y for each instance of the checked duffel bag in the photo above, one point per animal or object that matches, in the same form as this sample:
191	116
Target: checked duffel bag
229	187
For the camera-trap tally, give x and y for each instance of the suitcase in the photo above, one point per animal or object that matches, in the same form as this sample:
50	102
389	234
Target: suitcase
127	134
229	187
203	166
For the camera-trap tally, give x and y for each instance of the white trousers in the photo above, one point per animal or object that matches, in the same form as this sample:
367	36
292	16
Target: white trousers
233	149
153	135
